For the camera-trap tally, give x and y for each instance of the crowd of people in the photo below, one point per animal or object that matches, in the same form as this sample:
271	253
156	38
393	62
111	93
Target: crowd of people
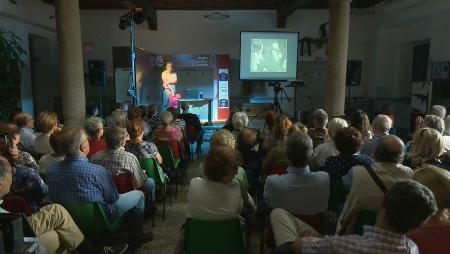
340	185
53	169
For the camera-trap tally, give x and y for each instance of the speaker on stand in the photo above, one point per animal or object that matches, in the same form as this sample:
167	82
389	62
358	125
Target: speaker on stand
97	77
353	78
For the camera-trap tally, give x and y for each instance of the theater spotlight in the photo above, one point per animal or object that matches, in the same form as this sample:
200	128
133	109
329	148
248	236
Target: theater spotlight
138	15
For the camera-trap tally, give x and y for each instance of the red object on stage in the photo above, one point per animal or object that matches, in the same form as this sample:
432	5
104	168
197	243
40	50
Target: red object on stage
223	62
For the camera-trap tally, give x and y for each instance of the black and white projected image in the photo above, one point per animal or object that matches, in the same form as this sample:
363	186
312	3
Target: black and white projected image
268	55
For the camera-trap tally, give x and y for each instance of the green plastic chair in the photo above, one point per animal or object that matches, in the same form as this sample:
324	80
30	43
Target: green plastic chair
92	219
218	237
170	161
150	165
364	217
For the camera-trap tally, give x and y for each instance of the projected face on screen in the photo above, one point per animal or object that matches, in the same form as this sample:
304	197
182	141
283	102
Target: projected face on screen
268	55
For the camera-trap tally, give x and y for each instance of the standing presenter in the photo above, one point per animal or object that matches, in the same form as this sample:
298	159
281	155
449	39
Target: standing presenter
169	80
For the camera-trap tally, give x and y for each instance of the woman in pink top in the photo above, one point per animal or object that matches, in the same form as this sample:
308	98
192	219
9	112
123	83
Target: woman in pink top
165	132
433	237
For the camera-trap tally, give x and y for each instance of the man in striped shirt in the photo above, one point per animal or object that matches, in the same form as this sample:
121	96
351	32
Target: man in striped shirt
406	206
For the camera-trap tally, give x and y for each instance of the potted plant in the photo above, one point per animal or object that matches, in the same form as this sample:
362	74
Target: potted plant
11	66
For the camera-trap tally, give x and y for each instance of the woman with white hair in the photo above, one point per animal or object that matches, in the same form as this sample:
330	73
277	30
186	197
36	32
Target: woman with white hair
427	147
94	129
328	148
165	132
319	133
239	121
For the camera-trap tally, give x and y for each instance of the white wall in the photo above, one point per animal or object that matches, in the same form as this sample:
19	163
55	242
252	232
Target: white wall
29	17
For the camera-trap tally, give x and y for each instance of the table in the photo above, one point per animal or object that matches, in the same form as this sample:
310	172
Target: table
199	104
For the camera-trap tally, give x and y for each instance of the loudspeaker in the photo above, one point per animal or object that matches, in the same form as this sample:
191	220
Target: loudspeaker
97	72
354	68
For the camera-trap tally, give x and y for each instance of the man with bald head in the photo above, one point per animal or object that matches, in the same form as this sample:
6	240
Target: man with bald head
380	127
364	192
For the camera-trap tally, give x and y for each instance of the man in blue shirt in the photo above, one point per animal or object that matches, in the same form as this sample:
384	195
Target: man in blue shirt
380	127
77	181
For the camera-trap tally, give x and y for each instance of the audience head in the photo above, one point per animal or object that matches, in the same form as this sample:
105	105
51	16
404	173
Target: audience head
47	122
222	137
152	110
428	144
75	142
222	164
24	120
115	137
381	124
334	125
281	126
173	111
298	127
166	118
246	140
438	181
92	110
270	119
134	113
56	143
94	127
407	205
438	110
348	140
320	118
144	111
299	148
135	128
390	149
185	106
447	126
119	117
434	122
360	121
5	176
239	120
9	139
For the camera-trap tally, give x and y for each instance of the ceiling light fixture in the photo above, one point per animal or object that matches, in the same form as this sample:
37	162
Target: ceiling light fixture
217	16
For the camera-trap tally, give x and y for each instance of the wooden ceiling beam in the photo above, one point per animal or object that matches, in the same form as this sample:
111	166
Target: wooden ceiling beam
286	8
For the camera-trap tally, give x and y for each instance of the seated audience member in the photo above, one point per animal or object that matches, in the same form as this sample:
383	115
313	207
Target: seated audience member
360	121
228	124
247	145
165	132
239	122
153	118
53	225
136	112
438	110
217	197
432	237
388	109
447	126
319	133
380	127
76	181
406	206
46	123
225	138
11	134
26	124
427	147
365	193
280	132
192	120
177	122
120	118
26	181
46	160
327	148
137	146
348	141
94	130
276	161
435	122
92	111
267	131
300	191
109	121
116	160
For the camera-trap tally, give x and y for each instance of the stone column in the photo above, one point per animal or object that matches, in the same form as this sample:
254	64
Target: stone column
337	56
70	65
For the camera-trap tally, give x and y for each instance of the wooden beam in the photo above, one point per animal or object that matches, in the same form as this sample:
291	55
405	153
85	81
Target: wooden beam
152	19
286	8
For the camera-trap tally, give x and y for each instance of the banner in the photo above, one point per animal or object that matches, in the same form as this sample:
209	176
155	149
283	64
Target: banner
223	88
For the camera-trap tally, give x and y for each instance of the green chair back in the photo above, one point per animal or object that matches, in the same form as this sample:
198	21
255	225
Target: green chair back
92	219
337	195
167	156
218	237
364	217
150	165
